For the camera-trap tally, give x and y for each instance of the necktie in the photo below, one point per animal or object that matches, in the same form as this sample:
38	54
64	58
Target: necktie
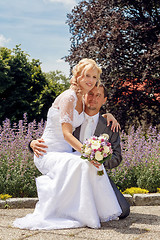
88	128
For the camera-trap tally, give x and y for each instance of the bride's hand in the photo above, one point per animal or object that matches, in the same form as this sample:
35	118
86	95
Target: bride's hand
115	124
95	163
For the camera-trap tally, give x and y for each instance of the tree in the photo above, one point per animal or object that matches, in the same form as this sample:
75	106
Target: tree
58	77
5	79
56	83
24	88
123	36
21	82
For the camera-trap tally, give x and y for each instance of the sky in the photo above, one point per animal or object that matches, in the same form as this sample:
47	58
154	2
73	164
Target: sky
39	26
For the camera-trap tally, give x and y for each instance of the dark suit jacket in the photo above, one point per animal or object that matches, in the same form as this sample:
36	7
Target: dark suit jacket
114	139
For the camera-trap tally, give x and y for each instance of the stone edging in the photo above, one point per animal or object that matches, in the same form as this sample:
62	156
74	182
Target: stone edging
149	199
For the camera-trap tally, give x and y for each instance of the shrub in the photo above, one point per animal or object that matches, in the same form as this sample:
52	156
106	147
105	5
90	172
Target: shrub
17	169
139	168
149	177
141	160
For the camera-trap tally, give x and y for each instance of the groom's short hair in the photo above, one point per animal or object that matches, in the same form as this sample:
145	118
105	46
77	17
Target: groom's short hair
104	88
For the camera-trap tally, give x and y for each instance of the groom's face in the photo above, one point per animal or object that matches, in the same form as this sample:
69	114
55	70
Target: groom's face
94	100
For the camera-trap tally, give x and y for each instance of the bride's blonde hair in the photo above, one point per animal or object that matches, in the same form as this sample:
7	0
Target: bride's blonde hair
80	70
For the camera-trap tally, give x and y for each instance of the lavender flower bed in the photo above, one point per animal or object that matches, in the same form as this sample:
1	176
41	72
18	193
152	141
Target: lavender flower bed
139	168
17	170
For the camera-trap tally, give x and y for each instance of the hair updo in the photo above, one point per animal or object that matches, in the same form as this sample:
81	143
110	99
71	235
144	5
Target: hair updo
80	70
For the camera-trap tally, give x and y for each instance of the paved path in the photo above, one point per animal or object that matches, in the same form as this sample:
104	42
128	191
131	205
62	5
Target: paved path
142	223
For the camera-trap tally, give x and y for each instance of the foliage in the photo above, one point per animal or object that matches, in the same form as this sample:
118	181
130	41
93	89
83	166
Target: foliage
141	160
17	170
57	77
5	78
139	168
20	86
149	177
56	83
124	38
24	88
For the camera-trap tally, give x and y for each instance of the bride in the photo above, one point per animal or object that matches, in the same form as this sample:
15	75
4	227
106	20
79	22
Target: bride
70	192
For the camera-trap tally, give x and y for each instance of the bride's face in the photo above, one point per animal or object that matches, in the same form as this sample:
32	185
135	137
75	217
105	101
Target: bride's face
88	79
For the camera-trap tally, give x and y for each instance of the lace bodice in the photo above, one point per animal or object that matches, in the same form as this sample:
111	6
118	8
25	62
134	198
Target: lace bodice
62	110
66	103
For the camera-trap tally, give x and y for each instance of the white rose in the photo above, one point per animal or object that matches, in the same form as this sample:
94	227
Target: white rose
105	135
98	156
87	151
95	145
106	149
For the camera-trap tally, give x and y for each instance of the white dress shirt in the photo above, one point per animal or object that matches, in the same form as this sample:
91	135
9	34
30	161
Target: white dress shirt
93	127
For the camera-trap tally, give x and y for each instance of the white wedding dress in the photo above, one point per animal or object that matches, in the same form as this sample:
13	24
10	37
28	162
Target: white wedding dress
70	192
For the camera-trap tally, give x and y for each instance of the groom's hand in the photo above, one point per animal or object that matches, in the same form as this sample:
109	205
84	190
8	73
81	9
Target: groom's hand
38	146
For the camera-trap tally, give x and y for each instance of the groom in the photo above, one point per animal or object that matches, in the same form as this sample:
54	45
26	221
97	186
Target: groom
93	102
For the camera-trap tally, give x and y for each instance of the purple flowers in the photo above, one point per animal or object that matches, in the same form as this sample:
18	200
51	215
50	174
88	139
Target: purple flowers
17	170
139	168
140	153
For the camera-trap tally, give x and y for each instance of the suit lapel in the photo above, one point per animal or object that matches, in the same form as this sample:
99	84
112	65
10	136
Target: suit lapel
76	133
101	126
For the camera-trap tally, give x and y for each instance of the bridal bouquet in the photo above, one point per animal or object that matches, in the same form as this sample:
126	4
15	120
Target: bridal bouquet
97	149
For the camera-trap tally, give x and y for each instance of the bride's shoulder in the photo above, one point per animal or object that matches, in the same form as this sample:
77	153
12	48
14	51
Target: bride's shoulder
69	94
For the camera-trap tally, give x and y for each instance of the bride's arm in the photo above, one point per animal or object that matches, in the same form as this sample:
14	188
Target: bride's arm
68	136
66	106
111	119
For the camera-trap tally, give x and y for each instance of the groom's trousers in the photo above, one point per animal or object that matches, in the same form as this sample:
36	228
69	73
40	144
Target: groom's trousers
122	201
